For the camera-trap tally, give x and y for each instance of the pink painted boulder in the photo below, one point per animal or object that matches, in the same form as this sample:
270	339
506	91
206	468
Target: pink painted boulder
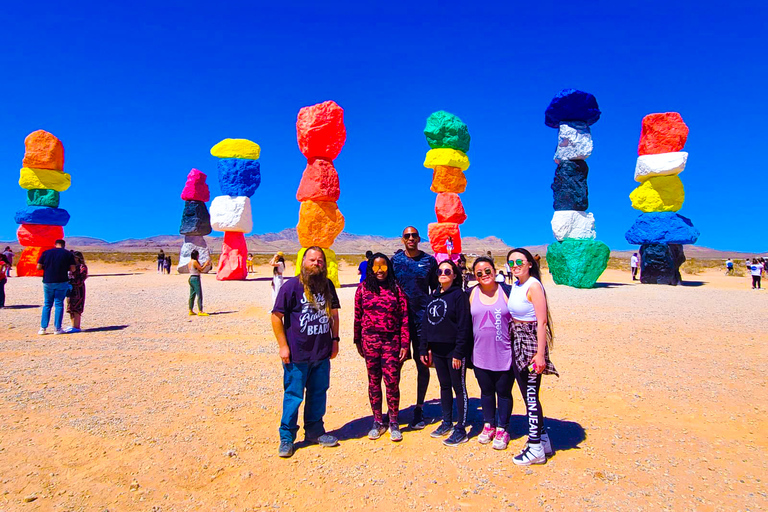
196	189
232	262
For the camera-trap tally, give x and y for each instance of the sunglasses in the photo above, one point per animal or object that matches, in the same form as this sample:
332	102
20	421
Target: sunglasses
444	272
379	268
516	263
410	235
487	272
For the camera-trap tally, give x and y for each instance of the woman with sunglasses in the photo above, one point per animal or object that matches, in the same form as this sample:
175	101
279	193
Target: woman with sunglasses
381	337
531	341
492	352
446	341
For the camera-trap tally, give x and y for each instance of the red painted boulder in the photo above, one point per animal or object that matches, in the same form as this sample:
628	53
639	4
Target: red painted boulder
320	130
196	189
448	208
438	233
320	182
662	133
27	264
39	235
43	151
232	262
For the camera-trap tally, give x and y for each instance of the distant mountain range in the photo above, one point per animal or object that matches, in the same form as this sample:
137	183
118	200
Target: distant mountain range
347	243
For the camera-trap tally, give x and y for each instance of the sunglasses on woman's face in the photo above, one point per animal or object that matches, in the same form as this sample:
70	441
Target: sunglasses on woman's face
516	263
444	272
410	235
379	268
487	272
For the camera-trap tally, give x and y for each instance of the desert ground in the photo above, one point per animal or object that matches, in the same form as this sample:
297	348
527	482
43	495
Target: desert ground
661	405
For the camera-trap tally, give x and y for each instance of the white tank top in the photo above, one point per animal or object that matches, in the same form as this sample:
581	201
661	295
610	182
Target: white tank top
519	306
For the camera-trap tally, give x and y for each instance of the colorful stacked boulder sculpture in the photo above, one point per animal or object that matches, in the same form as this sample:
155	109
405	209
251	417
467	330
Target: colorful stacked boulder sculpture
239	177
321	135
42	222
576	259
448	137
660	231
195	222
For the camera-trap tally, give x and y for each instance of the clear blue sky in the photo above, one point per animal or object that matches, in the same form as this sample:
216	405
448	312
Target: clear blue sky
140	91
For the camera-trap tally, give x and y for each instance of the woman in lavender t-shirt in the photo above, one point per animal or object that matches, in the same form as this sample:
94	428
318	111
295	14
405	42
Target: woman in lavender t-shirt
492	354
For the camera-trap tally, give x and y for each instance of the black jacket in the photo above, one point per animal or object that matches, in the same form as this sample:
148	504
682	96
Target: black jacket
447	319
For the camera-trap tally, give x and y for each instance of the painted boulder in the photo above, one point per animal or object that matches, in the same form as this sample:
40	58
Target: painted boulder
660	263
448	179
27	264
662	228
196	189
42	215
320	182
572	105
44	178
573	224
331	263
232	262
194	243
38	235
662	164
660	194
438	233
236	148
320	222
574	142
662	133
577	263
43	197
195	220
231	214
238	177
446	157
569	188
320	130
448	208
43	150
446	130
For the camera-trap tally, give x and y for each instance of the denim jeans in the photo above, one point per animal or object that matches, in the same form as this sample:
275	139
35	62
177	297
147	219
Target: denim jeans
314	378
54	294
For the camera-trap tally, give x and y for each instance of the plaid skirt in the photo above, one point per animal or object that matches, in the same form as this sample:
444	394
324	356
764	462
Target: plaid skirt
525	344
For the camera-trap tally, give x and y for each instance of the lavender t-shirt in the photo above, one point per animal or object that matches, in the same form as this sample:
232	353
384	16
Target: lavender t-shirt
490	327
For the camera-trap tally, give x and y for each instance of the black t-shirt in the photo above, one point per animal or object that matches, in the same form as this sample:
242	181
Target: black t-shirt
56	263
307	329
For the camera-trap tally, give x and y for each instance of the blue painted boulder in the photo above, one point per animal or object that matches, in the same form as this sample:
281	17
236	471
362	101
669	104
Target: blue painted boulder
569	189
239	177
660	263
571	105
662	228
195	221
42	215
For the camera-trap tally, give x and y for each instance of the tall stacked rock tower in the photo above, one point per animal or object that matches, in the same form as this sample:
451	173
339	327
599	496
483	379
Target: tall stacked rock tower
449	139
239	177
576	259
321	135
42	222
660	231
195	221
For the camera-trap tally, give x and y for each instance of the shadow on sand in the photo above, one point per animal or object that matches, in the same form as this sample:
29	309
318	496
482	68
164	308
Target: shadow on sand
692	283
221	313
23	306
116	274
611	285
258	279
350	285
105	328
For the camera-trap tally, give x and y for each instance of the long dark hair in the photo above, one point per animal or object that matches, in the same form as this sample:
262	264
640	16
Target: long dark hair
483	259
373	283
457	280
536	272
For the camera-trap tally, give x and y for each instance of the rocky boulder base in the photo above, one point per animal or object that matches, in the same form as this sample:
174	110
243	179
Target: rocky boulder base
577	263
27	264
194	243
660	263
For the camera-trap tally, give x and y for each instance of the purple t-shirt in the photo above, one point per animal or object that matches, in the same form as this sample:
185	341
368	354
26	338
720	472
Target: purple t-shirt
490	327
307	329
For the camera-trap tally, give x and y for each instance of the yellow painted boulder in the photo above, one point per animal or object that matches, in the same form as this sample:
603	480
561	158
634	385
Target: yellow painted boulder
330	261
448	179
30	179
660	194
236	148
447	157
320	222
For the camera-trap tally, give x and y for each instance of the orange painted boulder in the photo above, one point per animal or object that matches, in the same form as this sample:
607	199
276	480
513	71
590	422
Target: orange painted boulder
320	182
320	222
232	262
43	151
438	233
39	235
448	179
320	130
662	133
27	264
448	208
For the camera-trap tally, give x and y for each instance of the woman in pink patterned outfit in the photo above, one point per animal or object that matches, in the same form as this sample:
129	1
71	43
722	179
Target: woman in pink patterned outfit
381	338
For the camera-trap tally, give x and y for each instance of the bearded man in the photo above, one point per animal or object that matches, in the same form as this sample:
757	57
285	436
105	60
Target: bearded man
305	320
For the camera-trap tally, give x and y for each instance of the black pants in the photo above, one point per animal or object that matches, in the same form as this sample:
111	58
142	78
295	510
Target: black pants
529	386
422	370
493	384
452	380
160	264
2	292
756	281
634	273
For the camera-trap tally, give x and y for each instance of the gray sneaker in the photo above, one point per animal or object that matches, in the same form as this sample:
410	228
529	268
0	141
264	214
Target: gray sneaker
394	433
418	422
377	430
325	440
285	450
444	429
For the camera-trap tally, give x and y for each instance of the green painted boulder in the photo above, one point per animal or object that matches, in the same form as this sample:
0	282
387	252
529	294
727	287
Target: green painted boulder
577	263
43	197
445	130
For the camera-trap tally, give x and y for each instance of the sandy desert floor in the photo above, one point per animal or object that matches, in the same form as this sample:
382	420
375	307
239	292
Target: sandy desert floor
661	405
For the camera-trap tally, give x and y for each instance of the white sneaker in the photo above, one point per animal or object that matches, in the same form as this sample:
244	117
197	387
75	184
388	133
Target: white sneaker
41	331
547	444
531	454
59	331
487	435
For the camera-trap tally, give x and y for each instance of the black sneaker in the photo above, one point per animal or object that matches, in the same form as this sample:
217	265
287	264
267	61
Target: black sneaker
458	436
286	449
326	440
418	423
376	431
444	429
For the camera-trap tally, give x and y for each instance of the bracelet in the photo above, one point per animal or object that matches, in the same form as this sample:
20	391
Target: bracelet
335	338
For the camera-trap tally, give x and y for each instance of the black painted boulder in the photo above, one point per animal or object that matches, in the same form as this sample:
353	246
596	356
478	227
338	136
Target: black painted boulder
660	263
569	189
195	220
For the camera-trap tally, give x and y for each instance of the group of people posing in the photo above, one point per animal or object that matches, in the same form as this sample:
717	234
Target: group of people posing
412	306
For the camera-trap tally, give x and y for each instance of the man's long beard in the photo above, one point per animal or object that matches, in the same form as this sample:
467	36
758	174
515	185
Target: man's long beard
315	278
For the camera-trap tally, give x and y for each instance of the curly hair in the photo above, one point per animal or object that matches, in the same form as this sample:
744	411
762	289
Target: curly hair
373	283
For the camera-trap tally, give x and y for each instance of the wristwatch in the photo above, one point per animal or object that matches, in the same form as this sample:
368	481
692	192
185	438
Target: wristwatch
335	338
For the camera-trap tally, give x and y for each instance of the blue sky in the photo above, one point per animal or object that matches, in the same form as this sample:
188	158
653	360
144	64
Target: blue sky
139	93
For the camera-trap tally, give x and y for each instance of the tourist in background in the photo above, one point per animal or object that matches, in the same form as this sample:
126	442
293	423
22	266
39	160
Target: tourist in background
56	265
363	266
532	336
633	261
756	269
195	285
4	268
8	253
167	264
160	261
381	338
249	263
278	268
446	342
76	298
729	267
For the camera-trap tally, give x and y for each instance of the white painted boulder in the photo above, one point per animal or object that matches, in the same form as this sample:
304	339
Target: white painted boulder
192	243
661	164
231	213
574	142
574	225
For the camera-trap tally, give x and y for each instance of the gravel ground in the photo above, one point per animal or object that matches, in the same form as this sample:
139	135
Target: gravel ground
660	406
